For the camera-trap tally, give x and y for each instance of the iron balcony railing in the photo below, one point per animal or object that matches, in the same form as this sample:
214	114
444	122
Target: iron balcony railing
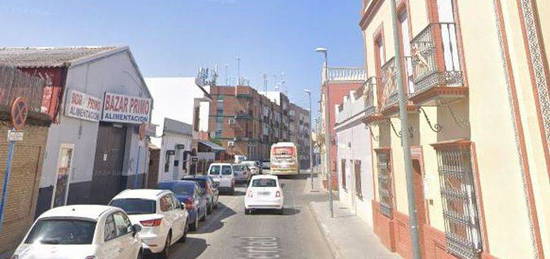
345	74
368	93
389	83
435	57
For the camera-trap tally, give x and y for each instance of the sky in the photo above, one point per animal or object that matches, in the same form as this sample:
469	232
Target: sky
175	38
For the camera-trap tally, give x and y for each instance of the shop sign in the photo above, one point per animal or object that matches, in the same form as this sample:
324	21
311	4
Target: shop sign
126	109
82	106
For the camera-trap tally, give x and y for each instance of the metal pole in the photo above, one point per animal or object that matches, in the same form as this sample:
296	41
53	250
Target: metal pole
137	166
327	137
413	222
310	146
11	148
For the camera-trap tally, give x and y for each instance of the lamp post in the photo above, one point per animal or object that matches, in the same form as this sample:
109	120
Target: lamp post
327	128
405	137
308	92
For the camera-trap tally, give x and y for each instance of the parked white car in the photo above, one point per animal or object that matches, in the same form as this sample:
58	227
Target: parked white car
223	175
81	231
162	217
264	192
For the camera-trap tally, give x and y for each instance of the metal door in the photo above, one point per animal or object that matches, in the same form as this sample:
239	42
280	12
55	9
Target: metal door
109	157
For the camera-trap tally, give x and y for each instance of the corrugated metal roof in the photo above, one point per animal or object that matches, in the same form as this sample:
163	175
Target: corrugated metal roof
178	127
48	56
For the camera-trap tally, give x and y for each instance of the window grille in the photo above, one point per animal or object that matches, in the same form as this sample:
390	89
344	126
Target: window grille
343	170
385	183
357	171
459	202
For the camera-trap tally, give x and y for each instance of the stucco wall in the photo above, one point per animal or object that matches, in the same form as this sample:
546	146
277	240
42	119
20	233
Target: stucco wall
114	74
169	142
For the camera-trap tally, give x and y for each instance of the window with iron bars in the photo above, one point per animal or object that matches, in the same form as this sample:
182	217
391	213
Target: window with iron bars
385	183
357	171
343	170
458	197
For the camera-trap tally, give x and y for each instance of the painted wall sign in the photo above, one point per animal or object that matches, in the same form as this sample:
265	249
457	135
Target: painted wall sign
126	109
82	106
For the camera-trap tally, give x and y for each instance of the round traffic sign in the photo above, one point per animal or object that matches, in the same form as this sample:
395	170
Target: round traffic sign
19	111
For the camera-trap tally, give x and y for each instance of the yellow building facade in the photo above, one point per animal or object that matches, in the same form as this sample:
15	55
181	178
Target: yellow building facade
478	84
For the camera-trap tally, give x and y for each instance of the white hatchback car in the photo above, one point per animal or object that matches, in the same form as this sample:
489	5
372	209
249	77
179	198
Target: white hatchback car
162	217
264	192
81	231
223	175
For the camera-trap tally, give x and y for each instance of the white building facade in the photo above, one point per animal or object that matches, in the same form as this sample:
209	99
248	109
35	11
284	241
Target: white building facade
94	149
354	158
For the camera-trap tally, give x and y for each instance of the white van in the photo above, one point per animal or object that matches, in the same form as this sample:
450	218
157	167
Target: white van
223	175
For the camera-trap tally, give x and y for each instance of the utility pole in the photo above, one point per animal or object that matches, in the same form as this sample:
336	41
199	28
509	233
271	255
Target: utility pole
226	74
405	137
238	71
324	82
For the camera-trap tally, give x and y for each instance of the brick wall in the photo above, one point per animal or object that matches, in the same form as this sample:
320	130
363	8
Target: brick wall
23	183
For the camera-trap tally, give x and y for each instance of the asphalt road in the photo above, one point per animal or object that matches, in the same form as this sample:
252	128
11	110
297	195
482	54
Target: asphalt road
229	233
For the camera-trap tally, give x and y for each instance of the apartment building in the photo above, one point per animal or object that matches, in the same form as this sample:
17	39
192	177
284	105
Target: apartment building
300	131
337	82
476	78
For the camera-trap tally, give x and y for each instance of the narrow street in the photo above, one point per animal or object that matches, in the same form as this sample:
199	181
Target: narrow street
229	233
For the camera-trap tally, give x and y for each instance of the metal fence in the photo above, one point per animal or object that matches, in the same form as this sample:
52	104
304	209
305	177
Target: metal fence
459	202
385	183
14	83
389	82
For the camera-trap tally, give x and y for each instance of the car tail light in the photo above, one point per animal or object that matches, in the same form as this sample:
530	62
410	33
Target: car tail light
278	194
250	195
151	222
189	204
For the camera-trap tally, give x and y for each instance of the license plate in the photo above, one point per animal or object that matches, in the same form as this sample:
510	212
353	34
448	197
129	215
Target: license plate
264	193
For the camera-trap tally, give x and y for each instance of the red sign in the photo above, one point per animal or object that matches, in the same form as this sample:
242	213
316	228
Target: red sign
19	112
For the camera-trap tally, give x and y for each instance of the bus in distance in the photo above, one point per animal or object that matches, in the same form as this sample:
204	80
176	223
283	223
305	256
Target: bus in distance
284	159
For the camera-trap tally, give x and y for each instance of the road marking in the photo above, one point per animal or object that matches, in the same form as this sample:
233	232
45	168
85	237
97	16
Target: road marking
260	247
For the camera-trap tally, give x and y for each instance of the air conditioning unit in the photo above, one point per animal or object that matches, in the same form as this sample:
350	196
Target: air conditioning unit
231	143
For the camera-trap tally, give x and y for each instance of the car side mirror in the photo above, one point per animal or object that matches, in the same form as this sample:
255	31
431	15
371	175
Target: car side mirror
136	228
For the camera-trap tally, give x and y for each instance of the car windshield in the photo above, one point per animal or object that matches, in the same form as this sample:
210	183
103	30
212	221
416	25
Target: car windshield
201	182
62	232
264	182
214	170
135	206
226	170
178	189
238	168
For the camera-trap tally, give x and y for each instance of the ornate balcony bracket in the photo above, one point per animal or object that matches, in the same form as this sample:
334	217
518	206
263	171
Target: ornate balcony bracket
435	127
461	122
372	134
399	134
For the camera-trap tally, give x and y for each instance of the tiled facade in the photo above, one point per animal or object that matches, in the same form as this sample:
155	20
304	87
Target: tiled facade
299	130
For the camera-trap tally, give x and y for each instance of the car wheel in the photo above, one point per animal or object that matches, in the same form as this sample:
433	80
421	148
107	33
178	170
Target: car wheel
184	237
195	225
164	253
203	218
140	254
281	211
232	192
210	208
247	211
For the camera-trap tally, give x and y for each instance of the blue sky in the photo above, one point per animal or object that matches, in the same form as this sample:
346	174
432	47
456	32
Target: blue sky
175	38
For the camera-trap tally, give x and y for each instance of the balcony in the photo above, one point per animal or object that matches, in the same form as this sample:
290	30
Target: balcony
388	99
437	73
345	74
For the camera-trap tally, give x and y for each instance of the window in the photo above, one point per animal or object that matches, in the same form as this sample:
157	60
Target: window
226	170
385	183
122	224
166	203
357	171
264	182
110	228
135	206
167	161
459	201
343	171
184	160
214	170
62	232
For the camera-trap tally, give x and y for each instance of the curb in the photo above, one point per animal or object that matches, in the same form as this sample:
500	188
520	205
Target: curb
336	253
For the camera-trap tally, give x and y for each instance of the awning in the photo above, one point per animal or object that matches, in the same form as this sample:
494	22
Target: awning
212	145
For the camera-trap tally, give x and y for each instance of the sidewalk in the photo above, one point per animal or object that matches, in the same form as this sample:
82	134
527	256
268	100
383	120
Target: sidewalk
348	236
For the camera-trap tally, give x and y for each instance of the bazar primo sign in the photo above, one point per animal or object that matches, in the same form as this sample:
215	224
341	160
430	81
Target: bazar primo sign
126	109
82	106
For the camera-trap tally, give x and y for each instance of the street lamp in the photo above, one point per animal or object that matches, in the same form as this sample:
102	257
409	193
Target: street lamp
308	92
327	125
